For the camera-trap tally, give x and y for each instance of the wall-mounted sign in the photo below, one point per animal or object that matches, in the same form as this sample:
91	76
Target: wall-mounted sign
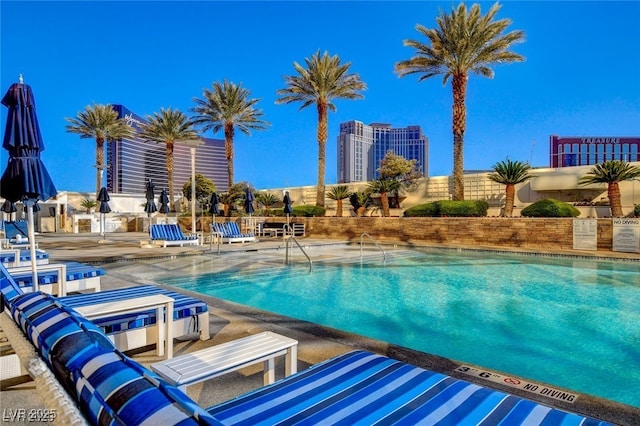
585	234
626	235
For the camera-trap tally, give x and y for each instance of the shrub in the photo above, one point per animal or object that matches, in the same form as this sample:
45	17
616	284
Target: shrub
549	207
308	211
449	208
428	209
636	210
301	211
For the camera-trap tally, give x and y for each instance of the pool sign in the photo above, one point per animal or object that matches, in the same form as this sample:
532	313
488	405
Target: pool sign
626	235
525	385
585	234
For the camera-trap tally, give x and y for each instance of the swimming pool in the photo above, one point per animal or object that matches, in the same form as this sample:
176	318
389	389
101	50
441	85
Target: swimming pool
569	322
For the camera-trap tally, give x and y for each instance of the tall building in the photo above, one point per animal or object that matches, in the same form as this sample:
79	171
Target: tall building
584	151
361	147
131	162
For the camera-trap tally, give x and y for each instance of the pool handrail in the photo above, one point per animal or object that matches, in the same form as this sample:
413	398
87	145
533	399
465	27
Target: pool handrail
287	261
384	254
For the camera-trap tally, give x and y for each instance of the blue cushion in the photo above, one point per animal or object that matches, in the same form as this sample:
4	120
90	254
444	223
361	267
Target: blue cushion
13	229
25	255
110	388
9	289
75	271
169	232
183	307
365	388
48	324
113	389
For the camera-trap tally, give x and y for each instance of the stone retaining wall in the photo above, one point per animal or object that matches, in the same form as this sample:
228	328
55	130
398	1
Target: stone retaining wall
546	233
509	232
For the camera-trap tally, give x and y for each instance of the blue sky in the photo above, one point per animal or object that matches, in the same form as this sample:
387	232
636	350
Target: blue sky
580	77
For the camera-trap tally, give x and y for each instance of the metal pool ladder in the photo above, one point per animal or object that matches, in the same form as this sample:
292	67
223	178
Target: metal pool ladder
287	261
364	234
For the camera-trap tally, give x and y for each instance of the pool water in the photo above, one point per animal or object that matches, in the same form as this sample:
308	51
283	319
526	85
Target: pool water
570	322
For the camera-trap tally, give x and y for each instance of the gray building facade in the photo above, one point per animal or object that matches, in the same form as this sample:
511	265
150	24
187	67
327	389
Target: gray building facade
361	147
132	162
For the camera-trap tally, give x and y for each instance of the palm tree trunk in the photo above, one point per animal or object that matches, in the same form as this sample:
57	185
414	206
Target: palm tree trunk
169	151
228	150
613	191
508	204
99	163
339	208
384	199
322	141
459	126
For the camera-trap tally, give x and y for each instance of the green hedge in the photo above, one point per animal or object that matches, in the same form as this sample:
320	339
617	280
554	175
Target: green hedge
301	211
549	207
636	210
449	208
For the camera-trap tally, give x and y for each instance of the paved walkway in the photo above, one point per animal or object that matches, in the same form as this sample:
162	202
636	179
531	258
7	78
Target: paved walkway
230	321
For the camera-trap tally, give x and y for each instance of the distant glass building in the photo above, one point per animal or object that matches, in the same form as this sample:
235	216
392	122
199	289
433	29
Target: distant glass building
131	162
361	147
584	151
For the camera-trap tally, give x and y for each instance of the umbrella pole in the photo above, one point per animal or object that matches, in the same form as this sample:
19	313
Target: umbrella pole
32	246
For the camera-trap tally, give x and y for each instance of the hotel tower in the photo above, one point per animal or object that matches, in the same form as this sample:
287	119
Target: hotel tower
361	147
131	162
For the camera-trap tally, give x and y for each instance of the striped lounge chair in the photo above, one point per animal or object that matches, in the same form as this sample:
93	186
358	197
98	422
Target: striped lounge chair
229	232
133	330
108	387
15	234
362	388
22	257
77	277
170	234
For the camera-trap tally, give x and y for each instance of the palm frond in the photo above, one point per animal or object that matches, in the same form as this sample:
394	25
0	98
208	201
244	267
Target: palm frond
610	172
510	172
99	122
323	79
167	126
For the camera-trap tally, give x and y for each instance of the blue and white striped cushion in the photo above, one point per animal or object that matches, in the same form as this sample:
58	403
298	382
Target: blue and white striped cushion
173	233
25	255
110	388
75	271
46	323
362	388
8	288
181	236
183	307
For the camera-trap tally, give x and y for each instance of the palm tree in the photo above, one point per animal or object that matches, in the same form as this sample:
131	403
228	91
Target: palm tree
323	80
228	107
612	172
99	122
464	42
339	193
510	173
231	198
168	127
360	201
267	199
384	187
